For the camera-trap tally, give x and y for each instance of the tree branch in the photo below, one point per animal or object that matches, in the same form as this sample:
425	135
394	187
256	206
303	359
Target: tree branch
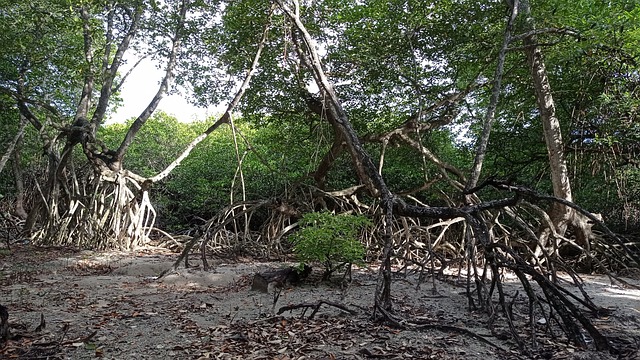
535	32
109	72
164	86
483	141
227	114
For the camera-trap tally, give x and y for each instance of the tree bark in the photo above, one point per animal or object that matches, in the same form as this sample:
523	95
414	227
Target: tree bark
12	145
4	324
320	175
19	180
562	216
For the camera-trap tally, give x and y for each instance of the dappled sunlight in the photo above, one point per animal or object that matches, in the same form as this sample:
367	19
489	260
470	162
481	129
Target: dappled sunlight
619	293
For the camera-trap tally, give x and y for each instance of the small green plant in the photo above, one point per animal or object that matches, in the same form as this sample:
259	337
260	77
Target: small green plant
330	239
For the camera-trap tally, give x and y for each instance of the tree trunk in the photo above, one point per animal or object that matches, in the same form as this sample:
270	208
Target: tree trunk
364	166
116	211
11	146
19	180
483	141
562	216
4	324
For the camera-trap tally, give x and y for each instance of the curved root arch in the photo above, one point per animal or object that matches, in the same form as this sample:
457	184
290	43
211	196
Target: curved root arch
416	241
421	242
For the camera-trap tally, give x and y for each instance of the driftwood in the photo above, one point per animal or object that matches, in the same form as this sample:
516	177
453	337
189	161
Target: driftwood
277	279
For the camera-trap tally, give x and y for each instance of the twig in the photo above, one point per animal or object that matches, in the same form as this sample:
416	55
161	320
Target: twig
68	342
82	340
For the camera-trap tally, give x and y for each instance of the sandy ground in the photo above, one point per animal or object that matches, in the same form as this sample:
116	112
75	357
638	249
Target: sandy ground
110	305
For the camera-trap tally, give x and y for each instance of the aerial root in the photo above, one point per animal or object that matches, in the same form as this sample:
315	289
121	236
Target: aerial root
572	319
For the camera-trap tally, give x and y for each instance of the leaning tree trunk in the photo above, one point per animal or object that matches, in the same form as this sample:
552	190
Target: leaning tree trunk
483	141
562	216
12	145
365	168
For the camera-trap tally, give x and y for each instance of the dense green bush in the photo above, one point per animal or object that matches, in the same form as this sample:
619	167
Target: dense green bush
330	239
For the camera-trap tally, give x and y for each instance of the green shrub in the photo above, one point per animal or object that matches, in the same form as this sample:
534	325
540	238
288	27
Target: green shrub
330	239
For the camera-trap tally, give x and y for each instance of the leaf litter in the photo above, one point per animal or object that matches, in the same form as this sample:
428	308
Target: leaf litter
109	305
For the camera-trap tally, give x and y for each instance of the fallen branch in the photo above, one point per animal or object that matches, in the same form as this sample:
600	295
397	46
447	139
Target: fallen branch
315	307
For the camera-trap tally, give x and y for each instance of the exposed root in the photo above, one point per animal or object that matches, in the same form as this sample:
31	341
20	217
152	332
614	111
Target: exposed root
406	325
487	241
110	214
315	307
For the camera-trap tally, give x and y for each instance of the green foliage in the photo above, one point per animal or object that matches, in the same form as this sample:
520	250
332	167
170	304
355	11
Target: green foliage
201	186
42	48
157	144
388	59
204	181
330	239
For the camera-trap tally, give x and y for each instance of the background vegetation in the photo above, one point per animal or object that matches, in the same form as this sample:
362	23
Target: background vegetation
446	123
394	62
